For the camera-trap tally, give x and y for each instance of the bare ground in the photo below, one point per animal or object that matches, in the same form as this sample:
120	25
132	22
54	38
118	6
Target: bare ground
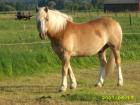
43	89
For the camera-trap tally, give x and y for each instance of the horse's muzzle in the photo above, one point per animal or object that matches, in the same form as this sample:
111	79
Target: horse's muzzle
43	36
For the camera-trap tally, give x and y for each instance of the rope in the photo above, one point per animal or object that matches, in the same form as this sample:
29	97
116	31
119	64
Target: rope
131	33
33	43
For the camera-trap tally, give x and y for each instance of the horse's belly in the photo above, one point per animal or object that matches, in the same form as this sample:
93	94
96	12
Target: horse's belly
88	51
89	44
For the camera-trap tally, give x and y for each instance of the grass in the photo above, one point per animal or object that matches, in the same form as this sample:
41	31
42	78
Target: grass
30	74
43	89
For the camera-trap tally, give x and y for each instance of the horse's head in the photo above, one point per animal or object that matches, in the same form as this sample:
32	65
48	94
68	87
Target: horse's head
42	20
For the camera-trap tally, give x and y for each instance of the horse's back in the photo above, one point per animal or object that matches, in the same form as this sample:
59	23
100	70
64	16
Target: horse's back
89	38
110	27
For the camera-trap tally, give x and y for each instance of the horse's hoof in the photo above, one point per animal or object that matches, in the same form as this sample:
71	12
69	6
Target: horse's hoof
98	85
73	86
62	89
119	84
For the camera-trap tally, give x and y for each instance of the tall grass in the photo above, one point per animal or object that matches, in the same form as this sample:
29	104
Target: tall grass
39	58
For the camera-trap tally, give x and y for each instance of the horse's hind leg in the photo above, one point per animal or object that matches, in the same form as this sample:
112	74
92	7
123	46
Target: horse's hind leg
118	66
73	84
102	59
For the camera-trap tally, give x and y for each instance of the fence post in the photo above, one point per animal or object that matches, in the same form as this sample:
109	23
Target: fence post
116	15
89	12
130	19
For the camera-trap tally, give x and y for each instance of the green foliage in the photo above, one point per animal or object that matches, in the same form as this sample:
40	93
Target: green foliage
73	5
11	5
6	6
83	96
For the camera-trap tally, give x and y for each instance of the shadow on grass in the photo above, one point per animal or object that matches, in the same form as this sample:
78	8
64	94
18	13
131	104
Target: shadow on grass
82	97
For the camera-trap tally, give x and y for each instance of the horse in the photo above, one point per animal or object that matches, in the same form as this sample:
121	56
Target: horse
69	39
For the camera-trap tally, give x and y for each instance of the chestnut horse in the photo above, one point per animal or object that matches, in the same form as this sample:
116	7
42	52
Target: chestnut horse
71	39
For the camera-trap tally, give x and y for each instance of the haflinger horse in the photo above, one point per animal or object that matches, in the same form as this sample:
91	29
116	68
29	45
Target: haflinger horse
72	39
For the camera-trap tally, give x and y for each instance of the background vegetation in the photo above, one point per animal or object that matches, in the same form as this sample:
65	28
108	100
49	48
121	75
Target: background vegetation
27	59
12	5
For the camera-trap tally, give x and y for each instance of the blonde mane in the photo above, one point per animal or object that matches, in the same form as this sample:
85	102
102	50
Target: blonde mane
57	21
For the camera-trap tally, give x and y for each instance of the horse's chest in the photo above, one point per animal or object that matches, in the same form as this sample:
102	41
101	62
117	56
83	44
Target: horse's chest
57	48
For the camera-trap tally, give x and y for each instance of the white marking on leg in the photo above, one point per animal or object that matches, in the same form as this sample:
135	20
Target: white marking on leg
72	78
64	83
102	58
120	77
101	77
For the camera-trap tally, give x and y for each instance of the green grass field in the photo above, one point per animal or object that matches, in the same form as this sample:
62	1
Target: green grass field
25	69
29	59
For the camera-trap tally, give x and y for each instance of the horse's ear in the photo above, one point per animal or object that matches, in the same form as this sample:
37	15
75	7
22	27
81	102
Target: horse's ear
37	9
46	9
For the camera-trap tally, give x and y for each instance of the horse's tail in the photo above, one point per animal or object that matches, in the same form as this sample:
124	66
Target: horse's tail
110	63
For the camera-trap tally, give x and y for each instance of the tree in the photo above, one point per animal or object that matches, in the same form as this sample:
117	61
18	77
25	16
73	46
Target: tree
52	4
68	4
42	3
19	6
4	6
93	2
86	5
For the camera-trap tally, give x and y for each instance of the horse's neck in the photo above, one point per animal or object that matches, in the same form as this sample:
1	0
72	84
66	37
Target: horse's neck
55	37
58	36
60	33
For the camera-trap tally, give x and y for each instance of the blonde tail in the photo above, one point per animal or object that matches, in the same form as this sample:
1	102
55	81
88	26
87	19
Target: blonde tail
110	63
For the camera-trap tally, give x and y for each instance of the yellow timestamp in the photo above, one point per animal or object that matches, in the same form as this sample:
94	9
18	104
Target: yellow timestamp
117	98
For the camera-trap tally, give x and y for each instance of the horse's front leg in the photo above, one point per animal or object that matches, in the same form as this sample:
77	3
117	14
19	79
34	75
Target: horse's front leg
65	67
